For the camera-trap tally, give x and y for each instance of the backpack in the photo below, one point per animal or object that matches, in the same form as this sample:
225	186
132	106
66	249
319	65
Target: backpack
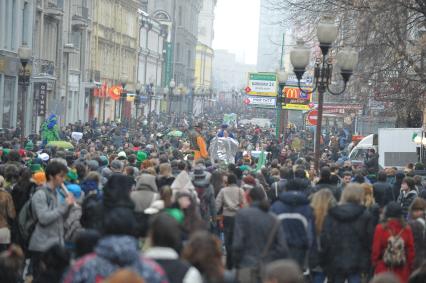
27	220
394	255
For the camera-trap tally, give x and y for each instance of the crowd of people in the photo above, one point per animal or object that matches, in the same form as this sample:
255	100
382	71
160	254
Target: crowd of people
145	206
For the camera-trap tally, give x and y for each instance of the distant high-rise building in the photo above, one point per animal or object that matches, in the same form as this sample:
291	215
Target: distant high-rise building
271	33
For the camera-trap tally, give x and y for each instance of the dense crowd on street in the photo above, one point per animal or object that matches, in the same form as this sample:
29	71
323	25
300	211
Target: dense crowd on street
135	204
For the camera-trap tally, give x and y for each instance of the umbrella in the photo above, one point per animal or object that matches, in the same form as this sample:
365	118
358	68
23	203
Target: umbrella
175	133
60	144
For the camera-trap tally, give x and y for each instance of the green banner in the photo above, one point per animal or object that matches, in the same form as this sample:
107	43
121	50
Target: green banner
263	76
168	64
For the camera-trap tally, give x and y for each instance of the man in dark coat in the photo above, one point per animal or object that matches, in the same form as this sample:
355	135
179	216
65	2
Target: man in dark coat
346	238
296	215
325	182
382	190
253	226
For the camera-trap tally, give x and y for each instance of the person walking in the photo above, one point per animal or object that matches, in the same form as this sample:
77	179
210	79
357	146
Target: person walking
229	200
346	238
417	223
50	213
258	235
197	142
321	202
7	214
296	215
407	195
393	245
382	190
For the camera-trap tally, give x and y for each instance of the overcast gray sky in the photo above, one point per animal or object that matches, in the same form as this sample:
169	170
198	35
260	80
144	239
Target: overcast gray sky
236	28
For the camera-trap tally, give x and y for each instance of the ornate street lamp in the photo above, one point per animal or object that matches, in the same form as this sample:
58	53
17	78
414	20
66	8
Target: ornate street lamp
137	102
347	60
282	77
123	95
172	85
24	54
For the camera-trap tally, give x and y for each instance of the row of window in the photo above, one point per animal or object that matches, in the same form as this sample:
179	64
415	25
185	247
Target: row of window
14	23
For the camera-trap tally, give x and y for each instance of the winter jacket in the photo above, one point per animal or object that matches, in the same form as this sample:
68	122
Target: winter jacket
296	205
145	193
50	213
381	236
276	189
337	192
419	234
177	270
92	213
164	181
7	208
405	199
251	232
111	254
207	202
230	199
72	225
346	240
383	193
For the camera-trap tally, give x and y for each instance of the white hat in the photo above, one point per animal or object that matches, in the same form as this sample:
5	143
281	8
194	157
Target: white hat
44	156
121	155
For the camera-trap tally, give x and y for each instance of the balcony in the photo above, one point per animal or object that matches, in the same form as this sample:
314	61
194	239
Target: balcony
80	19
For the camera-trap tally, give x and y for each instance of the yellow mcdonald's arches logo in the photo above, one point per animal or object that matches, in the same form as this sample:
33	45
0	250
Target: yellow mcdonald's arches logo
292	92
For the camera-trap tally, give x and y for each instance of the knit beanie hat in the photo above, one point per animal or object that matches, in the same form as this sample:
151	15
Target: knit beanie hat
393	210
39	178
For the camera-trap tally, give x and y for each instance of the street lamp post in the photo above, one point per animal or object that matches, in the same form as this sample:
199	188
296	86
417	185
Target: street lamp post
24	54
150	92
282	77
191	102
346	59
137	103
122	96
172	85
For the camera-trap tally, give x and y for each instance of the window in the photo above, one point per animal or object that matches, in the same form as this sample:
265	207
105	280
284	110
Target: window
177	52
10	24
8	101
180	16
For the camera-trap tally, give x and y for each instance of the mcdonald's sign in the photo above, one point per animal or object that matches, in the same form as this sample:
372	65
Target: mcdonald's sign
295	93
295	99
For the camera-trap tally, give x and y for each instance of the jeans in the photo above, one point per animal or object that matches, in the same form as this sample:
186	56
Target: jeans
318	277
352	278
228	230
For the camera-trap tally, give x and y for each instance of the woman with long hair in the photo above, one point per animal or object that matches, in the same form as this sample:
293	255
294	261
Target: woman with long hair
393	244
370	202
321	203
204	251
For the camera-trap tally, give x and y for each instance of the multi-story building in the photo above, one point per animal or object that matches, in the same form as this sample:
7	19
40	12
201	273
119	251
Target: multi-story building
152	36
273	38
16	30
181	18
114	46
75	86
204	55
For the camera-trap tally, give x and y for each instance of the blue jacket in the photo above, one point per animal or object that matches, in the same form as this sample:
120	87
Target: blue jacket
296	215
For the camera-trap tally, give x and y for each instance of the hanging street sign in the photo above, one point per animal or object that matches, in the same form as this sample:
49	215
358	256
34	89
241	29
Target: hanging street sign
262	84
260	101
295	99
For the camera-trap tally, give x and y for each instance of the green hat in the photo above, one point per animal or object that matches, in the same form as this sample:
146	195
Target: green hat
29	145
245	168
6	151
72	175
141	156
176	213
35	168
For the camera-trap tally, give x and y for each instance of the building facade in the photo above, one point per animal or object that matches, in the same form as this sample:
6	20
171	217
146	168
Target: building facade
273	39
16	25
181	18
113	57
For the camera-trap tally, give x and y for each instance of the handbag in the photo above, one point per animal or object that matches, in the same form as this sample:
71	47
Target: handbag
254	274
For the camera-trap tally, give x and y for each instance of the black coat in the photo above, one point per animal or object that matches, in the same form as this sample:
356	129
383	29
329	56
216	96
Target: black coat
337	192
251	232
383	193
346	240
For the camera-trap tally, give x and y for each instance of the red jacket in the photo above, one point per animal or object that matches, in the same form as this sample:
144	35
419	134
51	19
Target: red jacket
380	243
